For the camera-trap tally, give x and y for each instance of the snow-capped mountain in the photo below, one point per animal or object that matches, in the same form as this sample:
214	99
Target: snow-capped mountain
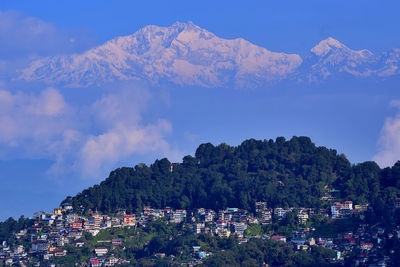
389	63
183	53
330	57
186	54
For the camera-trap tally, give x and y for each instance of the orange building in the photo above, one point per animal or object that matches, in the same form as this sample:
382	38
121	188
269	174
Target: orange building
129	219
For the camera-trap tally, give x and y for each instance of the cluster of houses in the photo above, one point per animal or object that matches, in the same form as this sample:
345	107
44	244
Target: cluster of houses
367	242
222	223
343	210
52	232
264	214
337	210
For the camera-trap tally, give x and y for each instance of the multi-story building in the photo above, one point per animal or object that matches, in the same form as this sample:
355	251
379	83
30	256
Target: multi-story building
238	228
220	224
96	220
225	233
129	220
302	216
221	215
198	228
280	212
178	216
260	207
348	205
335	210
40	246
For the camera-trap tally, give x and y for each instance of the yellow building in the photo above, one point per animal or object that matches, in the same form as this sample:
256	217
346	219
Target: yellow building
303	217
361	207
224	233
57	211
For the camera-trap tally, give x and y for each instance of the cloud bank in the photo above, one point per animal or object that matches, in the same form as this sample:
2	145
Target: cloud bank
389	140
86	139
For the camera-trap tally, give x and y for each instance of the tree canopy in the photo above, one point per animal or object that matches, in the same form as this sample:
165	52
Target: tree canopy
284	173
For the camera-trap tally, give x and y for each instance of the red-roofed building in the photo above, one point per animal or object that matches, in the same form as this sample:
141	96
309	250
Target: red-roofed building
76	225
366	245
348	205
278	238
221	223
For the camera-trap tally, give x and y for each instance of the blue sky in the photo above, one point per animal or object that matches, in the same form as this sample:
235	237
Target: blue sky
37	171
278	25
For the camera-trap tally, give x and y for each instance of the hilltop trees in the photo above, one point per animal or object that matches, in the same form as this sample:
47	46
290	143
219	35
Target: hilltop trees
10	226
293	173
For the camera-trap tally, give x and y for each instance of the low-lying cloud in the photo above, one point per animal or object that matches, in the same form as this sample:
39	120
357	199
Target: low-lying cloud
86	139
120	142
389	141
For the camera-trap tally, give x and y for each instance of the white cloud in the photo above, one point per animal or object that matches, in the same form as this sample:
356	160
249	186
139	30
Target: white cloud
389	140
26	117
50	103
102	151
123	133
24	36
89	140
125	106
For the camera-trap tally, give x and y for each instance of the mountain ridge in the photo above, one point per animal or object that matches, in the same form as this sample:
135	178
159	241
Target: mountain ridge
186	54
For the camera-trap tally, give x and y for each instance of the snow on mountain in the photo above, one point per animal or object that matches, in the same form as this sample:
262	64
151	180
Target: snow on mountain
186	54
183	54
390	63
326	46
331	57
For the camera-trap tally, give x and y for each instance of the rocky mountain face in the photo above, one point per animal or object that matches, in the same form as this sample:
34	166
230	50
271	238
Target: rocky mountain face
186	54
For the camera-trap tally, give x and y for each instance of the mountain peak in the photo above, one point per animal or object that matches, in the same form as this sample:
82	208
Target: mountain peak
173	29
184	25
327	45
182	53
179	27
186	54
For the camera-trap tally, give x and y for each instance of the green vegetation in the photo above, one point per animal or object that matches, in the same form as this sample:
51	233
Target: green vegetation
10	226
254	230
333	228
177	243
293	173
258	251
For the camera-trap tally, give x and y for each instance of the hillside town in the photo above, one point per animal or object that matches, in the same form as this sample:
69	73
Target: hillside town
50	233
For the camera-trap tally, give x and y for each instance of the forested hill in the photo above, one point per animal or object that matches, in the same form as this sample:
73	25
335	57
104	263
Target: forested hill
293	173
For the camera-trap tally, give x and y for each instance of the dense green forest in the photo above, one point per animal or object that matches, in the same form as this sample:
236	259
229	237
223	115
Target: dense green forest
284	173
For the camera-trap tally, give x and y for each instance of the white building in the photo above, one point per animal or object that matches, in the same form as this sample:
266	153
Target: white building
101	251
348	205
335	210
